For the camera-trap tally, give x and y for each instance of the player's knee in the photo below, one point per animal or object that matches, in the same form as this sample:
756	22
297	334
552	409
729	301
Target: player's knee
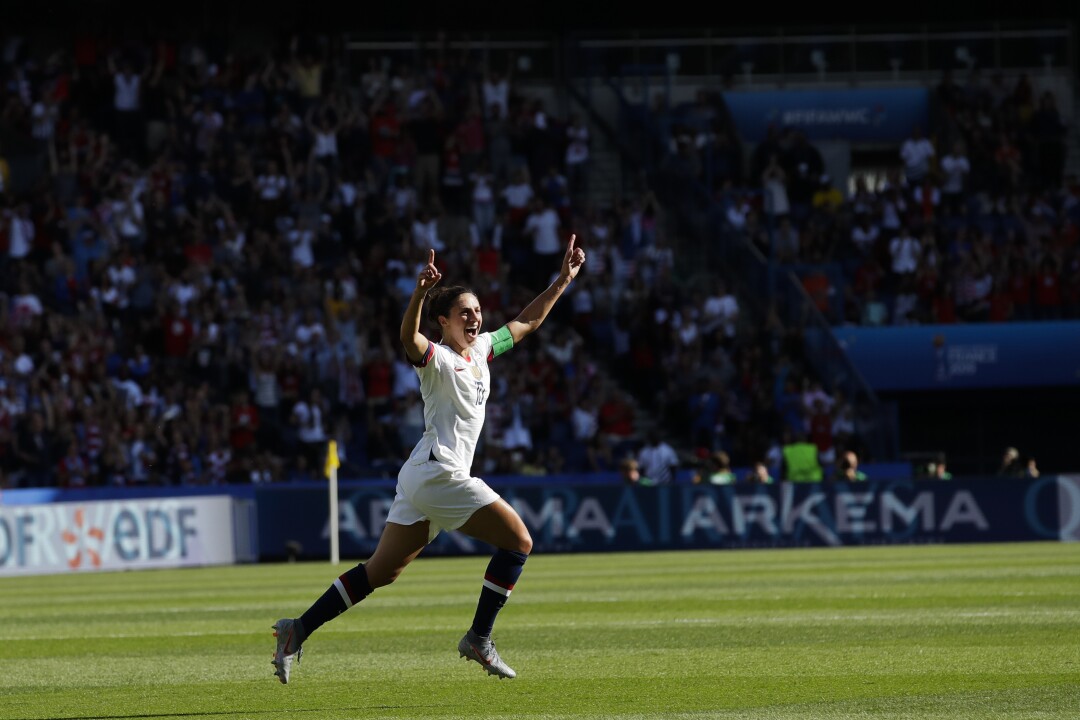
525	543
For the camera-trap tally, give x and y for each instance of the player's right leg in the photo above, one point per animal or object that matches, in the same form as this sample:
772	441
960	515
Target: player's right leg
398	546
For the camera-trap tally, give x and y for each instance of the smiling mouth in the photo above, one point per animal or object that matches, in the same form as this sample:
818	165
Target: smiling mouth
471	331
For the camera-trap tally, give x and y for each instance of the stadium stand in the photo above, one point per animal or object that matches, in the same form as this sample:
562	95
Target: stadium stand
206	253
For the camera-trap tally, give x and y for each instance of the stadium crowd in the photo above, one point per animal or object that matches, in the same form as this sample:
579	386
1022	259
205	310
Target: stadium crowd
204	282
971	222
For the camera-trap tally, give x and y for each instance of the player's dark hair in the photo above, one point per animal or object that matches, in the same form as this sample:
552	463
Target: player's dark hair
441	299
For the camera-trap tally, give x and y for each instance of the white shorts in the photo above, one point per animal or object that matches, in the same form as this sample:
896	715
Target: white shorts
441	494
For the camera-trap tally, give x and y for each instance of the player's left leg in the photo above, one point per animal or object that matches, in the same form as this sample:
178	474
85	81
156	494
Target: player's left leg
497	524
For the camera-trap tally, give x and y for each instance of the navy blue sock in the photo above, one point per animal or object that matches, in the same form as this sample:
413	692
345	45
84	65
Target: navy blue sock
502	573
349	589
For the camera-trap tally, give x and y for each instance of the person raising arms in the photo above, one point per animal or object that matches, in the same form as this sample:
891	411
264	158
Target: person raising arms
435	490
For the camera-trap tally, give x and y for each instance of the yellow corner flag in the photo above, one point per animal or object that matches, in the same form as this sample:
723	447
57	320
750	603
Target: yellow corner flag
332	461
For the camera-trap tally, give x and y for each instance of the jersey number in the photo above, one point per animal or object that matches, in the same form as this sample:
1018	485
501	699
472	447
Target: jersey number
480	393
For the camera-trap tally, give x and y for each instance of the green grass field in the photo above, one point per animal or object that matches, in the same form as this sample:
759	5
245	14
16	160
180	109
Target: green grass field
976	631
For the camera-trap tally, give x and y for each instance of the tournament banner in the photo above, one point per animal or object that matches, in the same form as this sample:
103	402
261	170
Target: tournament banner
881	115
116	535
928	357
591	518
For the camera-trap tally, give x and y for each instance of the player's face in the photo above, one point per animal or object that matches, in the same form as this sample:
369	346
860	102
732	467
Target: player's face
463	324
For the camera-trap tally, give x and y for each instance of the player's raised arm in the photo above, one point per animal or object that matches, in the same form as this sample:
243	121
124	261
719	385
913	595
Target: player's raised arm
415	344
535	312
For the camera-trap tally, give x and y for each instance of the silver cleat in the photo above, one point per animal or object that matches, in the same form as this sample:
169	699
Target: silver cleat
288	648
482	650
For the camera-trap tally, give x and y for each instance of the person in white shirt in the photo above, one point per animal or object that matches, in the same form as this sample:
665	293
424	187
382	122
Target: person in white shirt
737	212
425	230
127	106
916	152
543	226
864	235
658	460
20	232
893	207
496	90
129	218
309	332
905	251
483	198
324	133
402	197
721	309
774	190
518	195
405	380
302	240
207	123
955	167
271	188
310	421
577	156
436	489
585	421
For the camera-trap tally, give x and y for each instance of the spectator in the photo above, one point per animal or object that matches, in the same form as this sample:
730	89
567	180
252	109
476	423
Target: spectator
786	242
577	156
938	469
127	105
720	311
630	472
34	446
804	167
864	236
1031	470
800	460
543	227
819	425
657	459
955	167
905	251
916	153
759	474
847	468
309	416
426	128
496	90
1011	466
719	469
774	187
827	198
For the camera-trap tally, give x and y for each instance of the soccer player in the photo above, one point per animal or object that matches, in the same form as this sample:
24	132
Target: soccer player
435	490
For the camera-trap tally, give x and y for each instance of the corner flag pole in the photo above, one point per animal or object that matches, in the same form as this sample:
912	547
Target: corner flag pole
332	464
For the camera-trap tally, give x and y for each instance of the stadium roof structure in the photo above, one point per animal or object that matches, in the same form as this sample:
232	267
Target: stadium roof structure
553	15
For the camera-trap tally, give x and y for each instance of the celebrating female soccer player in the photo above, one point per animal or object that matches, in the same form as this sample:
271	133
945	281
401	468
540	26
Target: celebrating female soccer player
435	490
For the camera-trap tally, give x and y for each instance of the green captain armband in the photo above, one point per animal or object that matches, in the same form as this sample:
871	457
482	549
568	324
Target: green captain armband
501	341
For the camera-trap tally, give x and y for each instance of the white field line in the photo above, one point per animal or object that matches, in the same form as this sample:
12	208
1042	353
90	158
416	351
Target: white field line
1023	615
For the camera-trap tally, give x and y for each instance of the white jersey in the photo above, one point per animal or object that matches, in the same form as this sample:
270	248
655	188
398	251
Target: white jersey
455	390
